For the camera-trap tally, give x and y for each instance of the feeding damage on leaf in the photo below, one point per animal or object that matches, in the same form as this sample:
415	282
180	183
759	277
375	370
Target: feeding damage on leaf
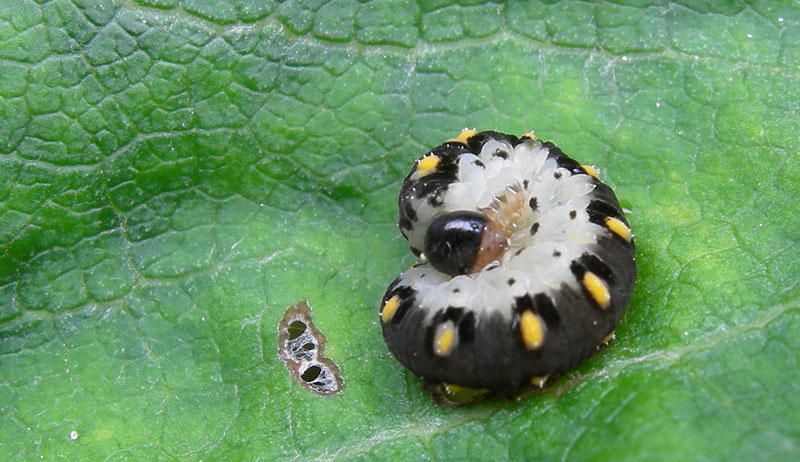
301	347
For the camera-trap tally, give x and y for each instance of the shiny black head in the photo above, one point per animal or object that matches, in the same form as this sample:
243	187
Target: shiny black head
453	241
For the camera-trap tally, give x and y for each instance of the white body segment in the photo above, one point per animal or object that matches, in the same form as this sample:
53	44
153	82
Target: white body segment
544	262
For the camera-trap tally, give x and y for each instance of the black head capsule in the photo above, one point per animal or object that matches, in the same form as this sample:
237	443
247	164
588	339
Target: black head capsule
453	241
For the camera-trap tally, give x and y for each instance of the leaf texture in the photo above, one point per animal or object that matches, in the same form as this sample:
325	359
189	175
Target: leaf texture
175	173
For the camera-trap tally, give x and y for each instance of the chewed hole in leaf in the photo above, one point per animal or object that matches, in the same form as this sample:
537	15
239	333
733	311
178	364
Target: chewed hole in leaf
301	348
311	374
296	328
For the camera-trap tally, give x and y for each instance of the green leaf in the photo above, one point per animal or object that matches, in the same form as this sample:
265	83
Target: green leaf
175	173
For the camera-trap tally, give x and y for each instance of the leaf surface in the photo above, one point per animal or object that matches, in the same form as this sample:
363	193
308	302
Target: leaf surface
175	173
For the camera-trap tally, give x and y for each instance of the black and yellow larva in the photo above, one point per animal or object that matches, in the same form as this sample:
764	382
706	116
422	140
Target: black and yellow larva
527	263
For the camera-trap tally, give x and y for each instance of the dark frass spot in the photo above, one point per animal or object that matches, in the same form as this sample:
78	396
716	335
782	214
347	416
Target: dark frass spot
534	203
573	214
301	347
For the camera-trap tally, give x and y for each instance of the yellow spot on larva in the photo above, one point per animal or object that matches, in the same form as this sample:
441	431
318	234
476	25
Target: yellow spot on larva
530	136
465	135
389	308
427	165
532	329
619	228
539	381
444	340
597	289
589	169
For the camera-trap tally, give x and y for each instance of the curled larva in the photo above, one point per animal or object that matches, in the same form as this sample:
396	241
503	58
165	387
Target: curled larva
528	263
